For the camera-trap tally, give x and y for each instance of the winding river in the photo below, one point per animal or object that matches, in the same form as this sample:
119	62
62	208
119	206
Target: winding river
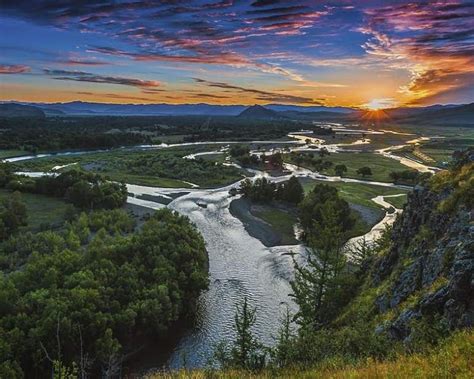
239	265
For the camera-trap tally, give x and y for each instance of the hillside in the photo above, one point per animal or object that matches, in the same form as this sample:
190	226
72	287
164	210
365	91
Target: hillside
409	309
449	115
453	359
9	110
259	112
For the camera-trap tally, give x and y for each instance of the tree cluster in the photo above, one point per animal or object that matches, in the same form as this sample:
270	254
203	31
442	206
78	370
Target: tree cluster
83	296
263	190
312	160
83	190
324	199
242	154
409	177
52	134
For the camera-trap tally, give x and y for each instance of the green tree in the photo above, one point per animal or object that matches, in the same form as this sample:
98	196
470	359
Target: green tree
246	351
318	280
311	217
13	214
364	171
281	354
6	173
276	160
340	169
292	191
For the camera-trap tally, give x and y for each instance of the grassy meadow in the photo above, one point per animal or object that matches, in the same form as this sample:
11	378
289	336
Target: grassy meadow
41	209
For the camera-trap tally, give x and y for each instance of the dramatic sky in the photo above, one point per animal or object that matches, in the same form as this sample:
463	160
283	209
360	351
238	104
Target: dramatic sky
351	53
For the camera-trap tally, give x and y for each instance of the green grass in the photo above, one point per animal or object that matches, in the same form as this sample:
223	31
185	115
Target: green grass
359	193
282	222
172	138
41	209
397	202
12	153
144	180
381	167
439	155
454	358
360	227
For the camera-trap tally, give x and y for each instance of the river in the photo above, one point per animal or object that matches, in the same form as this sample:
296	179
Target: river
239	265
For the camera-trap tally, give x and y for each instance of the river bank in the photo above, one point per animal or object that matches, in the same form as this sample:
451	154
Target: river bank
265	232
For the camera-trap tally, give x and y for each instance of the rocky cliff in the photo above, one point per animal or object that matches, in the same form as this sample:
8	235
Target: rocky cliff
428	271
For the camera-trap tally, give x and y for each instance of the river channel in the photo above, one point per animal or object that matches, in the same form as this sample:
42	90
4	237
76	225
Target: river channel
239	264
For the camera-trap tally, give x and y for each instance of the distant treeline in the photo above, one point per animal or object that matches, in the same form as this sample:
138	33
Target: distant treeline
56	133
53	134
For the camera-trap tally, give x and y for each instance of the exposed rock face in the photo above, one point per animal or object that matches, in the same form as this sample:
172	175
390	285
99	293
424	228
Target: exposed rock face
429	245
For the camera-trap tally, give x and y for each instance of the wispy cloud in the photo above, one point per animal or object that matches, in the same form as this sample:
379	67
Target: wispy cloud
81	62
259	94
81	76
193	32
423	48
14	69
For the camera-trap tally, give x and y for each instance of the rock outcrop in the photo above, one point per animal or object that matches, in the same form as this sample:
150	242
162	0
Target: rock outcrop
429	267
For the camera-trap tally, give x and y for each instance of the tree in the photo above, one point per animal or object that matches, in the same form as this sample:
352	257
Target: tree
293	191
113	287
281	353
261	190
276	160
323	152
13	215
364	171
6	173
311	209
246	351
340	169
317	282
238	151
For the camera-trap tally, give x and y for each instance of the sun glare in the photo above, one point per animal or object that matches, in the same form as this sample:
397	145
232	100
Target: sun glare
378	104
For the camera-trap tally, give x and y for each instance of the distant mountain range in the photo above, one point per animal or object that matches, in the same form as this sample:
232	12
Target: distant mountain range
448	115
86	108
20	110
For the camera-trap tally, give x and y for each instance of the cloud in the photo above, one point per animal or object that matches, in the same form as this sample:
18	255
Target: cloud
81	76
277	10
114	96
264	3
81	62
259	94
209	95
193	32
14	69
432	40
231	59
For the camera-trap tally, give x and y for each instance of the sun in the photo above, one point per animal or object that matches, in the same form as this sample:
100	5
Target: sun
381	103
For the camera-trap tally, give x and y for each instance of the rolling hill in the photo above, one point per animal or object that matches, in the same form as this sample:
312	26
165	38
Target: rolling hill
9	110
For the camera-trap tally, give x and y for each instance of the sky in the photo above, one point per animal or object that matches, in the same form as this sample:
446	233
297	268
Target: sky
364	53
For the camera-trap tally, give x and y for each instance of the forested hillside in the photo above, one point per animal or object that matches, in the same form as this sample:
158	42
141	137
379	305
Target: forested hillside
83	298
